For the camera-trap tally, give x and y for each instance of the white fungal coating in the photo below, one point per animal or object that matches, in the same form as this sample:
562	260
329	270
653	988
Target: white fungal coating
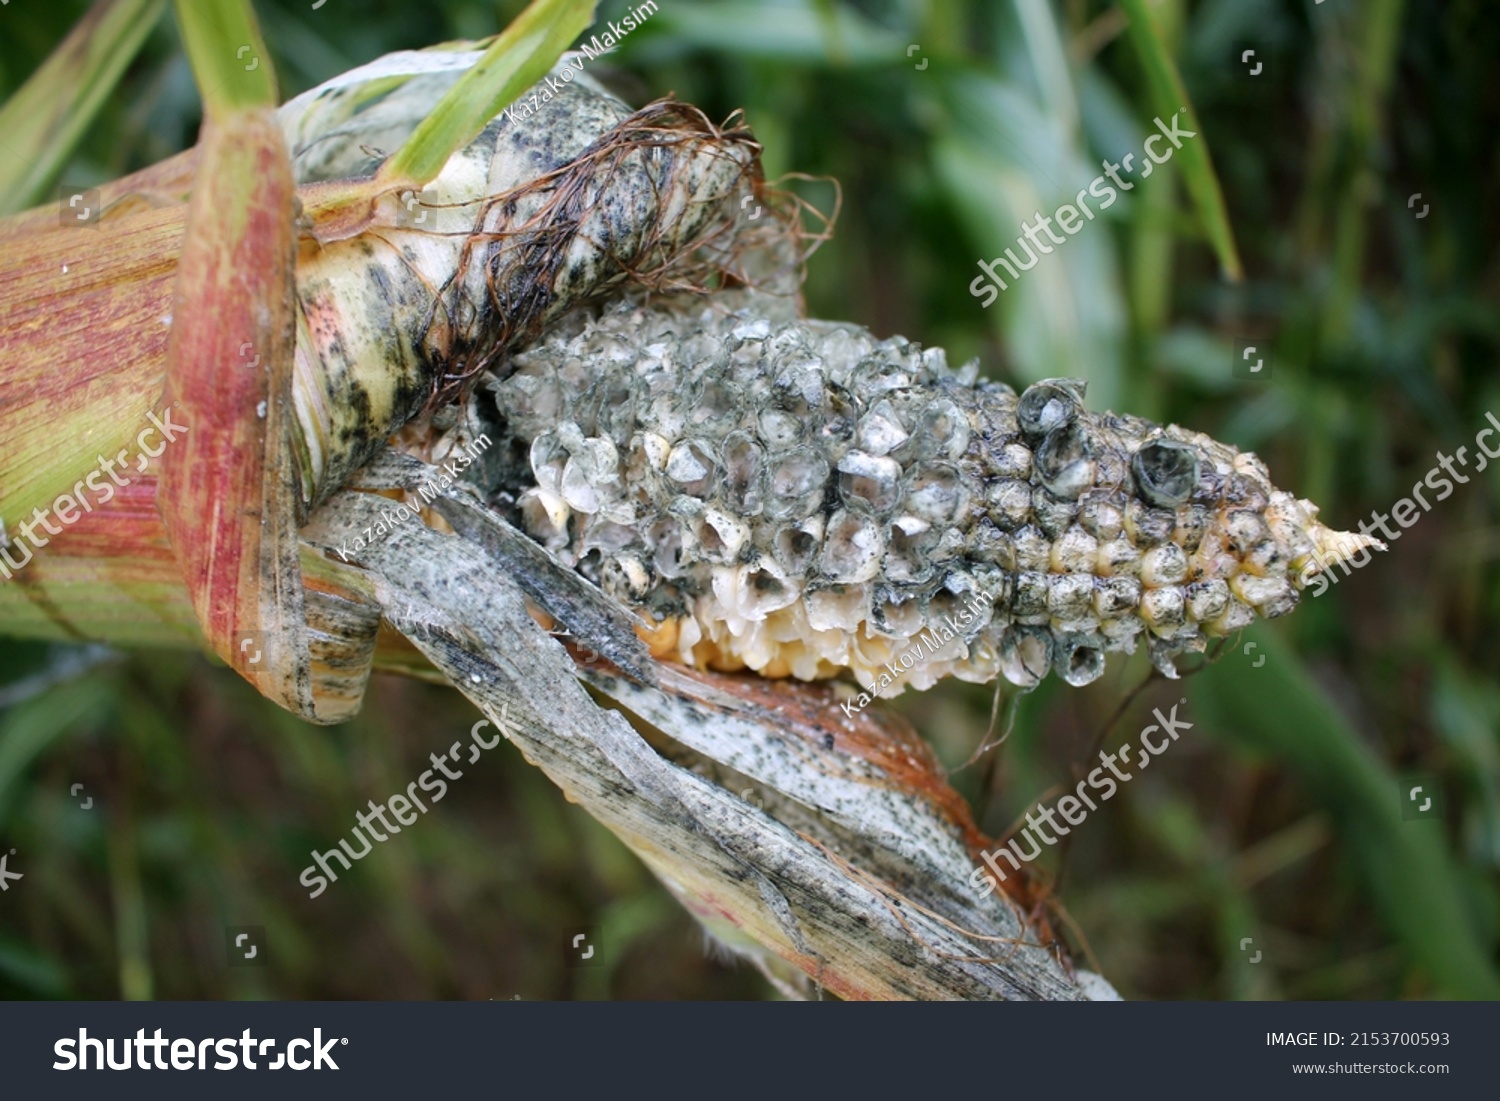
801	499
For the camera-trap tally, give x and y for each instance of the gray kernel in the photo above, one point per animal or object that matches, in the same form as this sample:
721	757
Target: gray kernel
1053	515
1009	503
880	431
1163	610
1029	603
1207	600
1075	551
1070	596
1025	655
1115	597
869	483
1048	405
1033	549
852	549
1246	530
1164	565
934	492
1147	526
1100	515
1013	460
1065	461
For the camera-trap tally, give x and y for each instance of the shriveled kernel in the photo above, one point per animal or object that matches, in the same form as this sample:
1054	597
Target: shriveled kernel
852	548
1259	591
797	484
691	465
880	430
743	461
1025	656
935	492
943	432
1049	404
1166	472
1065	461
1029	603
1078	659
1117	596
1207	600
796	547
869	482
1070	596
1009	503
1164	610
1164	565
1236	618
1033	549
1075	551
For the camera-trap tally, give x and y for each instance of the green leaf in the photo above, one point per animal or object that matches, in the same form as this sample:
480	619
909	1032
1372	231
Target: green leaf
1169	96
229	56
516	60
1276	708
42	122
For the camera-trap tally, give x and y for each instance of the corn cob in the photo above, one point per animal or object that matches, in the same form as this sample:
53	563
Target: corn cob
799	498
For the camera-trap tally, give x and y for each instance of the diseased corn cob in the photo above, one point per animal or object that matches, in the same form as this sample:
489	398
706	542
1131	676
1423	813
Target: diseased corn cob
800	498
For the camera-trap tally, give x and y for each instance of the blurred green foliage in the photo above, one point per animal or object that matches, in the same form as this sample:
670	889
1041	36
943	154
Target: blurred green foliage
1278	817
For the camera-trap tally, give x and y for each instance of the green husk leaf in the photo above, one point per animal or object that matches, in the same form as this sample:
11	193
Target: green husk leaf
517	59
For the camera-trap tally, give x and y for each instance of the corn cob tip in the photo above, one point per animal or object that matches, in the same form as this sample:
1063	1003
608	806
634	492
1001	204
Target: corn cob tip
1330	548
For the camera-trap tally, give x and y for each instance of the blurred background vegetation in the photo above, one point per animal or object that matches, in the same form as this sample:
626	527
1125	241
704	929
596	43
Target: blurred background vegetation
1278	817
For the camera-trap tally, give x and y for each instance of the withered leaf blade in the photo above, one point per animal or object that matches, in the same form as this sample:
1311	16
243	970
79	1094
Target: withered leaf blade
823	898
